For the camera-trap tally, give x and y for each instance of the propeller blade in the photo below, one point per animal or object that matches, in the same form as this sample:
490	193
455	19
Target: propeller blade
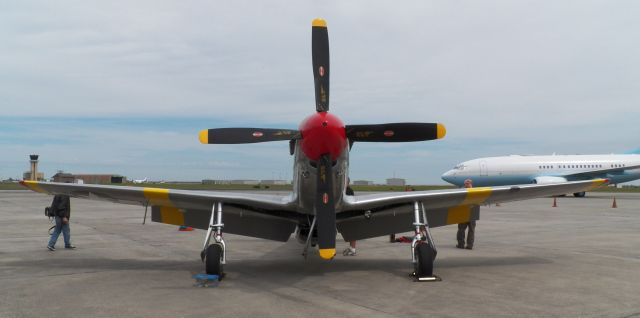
395	132
320	56
246	135
325	209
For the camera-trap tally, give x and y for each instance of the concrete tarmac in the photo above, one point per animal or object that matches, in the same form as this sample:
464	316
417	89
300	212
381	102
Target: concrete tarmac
581	259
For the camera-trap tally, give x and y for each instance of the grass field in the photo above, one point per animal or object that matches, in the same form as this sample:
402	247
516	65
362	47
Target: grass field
372	188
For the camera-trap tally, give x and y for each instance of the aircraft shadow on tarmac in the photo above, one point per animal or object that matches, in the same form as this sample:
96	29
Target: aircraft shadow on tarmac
287	269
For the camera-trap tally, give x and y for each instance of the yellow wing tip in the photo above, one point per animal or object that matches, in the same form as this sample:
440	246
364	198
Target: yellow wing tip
327	253
441	131
319	23
204	136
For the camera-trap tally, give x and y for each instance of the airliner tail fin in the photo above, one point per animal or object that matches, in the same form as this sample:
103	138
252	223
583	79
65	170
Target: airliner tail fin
634	151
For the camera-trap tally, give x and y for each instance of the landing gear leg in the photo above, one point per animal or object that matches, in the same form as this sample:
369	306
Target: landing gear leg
214	255
308	242
423	250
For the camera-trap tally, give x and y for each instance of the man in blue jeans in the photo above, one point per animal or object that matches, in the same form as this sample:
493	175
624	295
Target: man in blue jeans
61	206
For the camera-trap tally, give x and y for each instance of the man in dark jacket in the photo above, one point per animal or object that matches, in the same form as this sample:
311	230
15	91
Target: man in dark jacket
463	226
61	206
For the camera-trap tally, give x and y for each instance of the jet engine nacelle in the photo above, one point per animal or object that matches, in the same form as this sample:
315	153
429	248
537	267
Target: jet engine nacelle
549	180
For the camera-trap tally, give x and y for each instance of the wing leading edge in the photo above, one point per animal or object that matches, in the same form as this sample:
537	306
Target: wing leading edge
373	215
258	215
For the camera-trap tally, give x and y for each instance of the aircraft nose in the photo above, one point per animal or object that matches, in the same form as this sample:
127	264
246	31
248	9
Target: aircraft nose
448	176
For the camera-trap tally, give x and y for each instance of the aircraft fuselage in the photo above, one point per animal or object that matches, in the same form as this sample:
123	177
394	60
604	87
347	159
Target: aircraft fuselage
323	133
515	169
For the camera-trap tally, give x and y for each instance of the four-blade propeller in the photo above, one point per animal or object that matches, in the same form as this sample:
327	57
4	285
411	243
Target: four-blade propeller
325	209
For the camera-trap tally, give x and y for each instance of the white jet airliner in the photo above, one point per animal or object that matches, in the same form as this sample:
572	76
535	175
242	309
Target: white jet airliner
139	181
520	169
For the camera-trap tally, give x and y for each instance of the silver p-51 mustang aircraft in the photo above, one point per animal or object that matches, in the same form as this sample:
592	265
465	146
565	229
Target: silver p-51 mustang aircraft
317	207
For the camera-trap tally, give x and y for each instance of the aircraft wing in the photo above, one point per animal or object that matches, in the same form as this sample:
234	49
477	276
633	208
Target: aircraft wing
258	215
372	215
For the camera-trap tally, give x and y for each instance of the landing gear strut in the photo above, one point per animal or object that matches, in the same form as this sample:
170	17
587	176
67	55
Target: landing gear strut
214	255
423	250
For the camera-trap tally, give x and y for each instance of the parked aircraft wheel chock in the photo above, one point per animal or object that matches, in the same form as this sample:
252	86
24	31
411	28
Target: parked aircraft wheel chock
423	250
214	255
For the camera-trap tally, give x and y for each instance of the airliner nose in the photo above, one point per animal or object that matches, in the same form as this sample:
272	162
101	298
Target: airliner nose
448	176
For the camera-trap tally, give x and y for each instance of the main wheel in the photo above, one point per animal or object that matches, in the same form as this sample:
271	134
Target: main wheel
213	259
579	194
425	256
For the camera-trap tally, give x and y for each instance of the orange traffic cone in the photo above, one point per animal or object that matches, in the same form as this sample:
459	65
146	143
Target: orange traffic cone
614	205
555	205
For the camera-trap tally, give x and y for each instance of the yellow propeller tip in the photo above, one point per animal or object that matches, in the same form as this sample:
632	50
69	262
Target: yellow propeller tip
441	131
319	23
327	253
204	136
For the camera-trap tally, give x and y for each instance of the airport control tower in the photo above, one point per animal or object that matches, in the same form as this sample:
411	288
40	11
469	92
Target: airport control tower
34	167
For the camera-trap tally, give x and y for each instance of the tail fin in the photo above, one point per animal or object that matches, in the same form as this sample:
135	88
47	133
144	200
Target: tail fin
634	151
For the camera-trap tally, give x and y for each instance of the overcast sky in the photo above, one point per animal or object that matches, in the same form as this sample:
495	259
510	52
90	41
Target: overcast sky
124	87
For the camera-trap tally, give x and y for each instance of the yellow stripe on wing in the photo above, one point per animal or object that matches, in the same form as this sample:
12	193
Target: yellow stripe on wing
459	214
596	183
33	186
476	195
157	196
171	215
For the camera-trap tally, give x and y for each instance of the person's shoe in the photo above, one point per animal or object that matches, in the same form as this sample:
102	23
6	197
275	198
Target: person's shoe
70	246
349	251
469	247
460	246
51	248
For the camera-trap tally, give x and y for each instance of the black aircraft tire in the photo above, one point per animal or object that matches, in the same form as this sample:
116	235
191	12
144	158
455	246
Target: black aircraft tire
579	194
213	259
425	256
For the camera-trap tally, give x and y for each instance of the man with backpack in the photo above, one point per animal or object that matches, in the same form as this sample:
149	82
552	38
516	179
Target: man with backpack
61	208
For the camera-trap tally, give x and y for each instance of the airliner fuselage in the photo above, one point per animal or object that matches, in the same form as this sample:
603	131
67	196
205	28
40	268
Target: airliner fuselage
516	169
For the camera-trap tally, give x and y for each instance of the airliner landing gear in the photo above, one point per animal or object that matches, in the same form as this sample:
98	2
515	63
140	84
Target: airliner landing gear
423	250
214	255
579	194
